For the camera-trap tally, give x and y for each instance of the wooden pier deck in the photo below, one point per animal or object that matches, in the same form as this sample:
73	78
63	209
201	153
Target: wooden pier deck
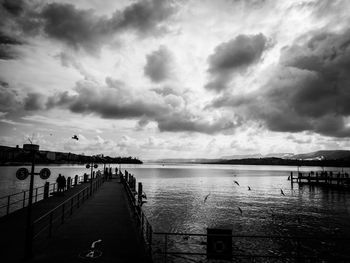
107	217
104	214
13	226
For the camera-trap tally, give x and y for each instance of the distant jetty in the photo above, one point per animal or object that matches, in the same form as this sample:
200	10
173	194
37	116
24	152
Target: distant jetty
18	156
279	161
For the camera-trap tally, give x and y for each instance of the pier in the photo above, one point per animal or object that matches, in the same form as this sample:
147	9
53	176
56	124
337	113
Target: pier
321	178
65	226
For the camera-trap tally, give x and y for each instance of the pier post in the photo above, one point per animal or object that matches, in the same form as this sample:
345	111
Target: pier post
85	177
69	182
75	180
46	190
139	194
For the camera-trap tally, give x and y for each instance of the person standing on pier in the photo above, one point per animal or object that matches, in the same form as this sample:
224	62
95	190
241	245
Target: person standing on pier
59	183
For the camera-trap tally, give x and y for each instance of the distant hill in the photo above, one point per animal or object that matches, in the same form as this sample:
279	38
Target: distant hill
258	155
323	155
242	156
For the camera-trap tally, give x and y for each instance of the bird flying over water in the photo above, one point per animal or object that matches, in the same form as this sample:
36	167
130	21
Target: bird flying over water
75	137
240	210
236	183
206	197
282	192
249	188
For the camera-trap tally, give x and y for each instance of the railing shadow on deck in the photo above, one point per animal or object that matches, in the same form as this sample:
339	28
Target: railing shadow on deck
57	216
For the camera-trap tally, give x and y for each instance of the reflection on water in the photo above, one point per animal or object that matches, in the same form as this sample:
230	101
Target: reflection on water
176	200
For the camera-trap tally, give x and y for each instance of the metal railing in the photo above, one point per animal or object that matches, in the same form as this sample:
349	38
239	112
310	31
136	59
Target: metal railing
177	247
57	216
144	227
13	202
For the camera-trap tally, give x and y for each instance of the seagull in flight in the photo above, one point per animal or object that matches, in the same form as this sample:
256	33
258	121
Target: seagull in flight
75	137
206	197
249	188
236	183
282	192
240	210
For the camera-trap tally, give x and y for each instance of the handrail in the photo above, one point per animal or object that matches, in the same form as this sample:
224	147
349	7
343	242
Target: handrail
8	201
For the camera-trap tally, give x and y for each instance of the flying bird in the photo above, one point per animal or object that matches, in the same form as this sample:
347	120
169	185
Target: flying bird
206	197
75	137
282	192
236	183
249	188
240	210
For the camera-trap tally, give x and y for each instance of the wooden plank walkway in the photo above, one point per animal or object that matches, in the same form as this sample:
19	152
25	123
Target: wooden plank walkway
13	226
106	216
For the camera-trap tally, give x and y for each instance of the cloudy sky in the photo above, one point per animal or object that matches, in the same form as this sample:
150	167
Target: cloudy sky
177	78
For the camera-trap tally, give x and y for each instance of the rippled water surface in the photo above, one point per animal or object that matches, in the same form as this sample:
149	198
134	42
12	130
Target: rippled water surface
176	200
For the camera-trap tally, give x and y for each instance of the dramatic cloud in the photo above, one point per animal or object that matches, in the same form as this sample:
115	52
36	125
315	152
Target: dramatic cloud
82	28
159	65
234	56
309	91
7	46
8	97
117	101
34	101
186	122
145	17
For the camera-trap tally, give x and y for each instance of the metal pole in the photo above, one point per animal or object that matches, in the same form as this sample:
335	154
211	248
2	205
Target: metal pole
29	234
92	167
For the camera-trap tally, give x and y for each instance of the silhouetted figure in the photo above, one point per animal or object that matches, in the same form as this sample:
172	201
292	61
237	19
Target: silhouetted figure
59	182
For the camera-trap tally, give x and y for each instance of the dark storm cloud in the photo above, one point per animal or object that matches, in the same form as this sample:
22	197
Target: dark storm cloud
83	29
8	97
158	66
145	17
34	101
14	7
7	46
77	28
234	56
185	122
309	91
117	101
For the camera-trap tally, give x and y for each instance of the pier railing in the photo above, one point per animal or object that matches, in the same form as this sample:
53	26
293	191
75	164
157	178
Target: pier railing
45	224
136	200
177	247
13	202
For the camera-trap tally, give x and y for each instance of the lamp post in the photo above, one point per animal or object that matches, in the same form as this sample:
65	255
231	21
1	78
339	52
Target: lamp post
22	174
